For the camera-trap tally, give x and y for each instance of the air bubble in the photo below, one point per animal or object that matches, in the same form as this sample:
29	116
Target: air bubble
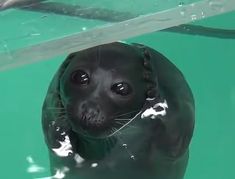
203	14
133	157
194	17
124	145
182	13
93	165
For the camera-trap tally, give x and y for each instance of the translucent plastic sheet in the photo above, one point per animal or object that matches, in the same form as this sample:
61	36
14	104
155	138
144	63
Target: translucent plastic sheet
34	30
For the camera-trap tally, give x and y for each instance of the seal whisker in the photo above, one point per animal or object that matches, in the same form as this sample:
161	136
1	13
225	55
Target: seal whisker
122	119
124	114
59	113
128	125
113	130
62	117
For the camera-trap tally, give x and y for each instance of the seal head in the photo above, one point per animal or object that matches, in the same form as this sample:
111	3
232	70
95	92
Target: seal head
99	86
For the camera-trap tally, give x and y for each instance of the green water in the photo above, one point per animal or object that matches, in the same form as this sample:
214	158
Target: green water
207	63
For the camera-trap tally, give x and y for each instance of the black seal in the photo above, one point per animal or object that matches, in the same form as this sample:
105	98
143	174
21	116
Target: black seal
118	111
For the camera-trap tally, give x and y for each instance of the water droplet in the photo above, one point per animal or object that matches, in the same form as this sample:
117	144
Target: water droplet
182	13
124	145
194	17
203	15
180	4
35	34
133	157
93	165
30	159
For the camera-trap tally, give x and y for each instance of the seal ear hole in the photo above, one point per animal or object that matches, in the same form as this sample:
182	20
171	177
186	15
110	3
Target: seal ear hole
147	54
122	88
80	77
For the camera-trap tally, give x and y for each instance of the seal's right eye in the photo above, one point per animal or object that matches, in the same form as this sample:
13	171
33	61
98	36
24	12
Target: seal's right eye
80	77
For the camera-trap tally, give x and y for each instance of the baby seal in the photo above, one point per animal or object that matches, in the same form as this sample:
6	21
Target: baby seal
118	111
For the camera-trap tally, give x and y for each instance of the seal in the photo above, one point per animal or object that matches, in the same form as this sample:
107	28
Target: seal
118	111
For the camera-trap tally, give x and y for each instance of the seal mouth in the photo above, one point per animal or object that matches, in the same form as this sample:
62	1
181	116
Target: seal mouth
91	126
92	121
101	130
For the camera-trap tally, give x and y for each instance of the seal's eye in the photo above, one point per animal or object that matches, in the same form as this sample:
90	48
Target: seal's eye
122	88
80	77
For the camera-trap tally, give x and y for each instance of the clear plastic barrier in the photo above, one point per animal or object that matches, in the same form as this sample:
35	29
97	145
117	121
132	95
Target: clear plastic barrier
34	30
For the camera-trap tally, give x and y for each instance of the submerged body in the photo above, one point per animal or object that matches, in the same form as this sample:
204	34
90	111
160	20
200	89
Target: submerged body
118	111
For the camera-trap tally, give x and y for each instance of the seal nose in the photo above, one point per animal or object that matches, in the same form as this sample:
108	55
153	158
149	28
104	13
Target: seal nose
90	116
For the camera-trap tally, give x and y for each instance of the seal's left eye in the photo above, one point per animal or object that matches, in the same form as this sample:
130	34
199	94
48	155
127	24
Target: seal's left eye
80	77
122	88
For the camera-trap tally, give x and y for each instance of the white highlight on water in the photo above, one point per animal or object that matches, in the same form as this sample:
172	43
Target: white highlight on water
79	160
153	113
124	145
133	157
65	149
33	167
60	174
93	165
84	28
